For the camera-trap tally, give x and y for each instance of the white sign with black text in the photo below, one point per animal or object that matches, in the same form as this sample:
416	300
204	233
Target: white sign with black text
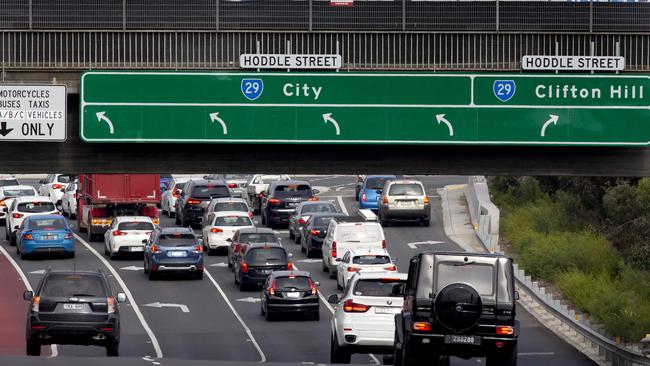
33	112
573	63
271	61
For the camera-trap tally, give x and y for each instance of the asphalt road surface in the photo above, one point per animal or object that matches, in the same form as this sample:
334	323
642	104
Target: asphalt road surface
212	320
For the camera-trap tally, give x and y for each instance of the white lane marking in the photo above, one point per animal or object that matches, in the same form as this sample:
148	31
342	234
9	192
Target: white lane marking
342	204
250	299
132	268
219	265
241	321
134	305
536	354
431	242
158	304
28	286
39	271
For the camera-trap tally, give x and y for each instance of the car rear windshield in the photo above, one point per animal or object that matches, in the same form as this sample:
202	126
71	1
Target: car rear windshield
263	255
47	224
177	240
65	178
258	238
299	190
235	176
210	192
179	186
232	221
480	276
73	285
400	189
371	259
359	234
322	220
320	207
35	207
378	287
375	183
135	225
8	182
19	192
300	283
268	179
230	206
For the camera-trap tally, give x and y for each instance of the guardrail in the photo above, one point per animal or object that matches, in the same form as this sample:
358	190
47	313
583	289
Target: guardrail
481	212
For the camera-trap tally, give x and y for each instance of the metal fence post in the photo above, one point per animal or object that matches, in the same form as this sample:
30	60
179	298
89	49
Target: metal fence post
497	16
217	14
311	15
403	15
591	17
123	14
30	14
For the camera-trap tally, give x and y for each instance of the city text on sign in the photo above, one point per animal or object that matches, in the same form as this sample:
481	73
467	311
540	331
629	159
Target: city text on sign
274	61
573	63
33	113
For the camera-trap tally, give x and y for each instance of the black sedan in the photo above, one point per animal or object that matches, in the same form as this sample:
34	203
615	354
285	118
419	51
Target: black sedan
255	262
303	212
314	231
290	292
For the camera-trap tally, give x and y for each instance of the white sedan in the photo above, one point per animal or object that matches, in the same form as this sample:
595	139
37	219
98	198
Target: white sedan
221	226
371	260
364	318
52	186
7	195
126	235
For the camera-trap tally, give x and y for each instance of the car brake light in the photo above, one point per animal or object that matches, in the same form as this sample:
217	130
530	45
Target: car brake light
426	199
192	201
364	198
17	215
312	286
29	237
505	330
272	289
74	195
385	200
155	249
391	268
388	280
315	232
36	301
2	202
313	199
383	244
68	236
289	266
303	220
39	327
216	230
119	233
244	267
250	214
350	306
353	269
237	247
232	185
333	249
198	249
110	304
274	201
57	186
422	326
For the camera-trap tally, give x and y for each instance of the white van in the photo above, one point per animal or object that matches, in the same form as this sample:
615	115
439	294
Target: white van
349	233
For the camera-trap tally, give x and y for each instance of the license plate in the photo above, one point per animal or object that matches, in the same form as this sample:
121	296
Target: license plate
293	295
49	237
136	249
292	204
406	203
73	306
176	253
264	271
385	310
463	339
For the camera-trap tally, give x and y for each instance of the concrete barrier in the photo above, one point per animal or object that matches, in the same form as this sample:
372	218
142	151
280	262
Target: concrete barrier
483	213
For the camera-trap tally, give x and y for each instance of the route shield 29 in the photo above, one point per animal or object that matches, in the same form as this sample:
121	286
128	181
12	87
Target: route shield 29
504	90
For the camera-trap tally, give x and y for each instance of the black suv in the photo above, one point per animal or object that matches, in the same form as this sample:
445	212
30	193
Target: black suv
458	304
195	197
281	199
73	308
255	262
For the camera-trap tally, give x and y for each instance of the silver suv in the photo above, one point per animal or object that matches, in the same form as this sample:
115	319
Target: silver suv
404	200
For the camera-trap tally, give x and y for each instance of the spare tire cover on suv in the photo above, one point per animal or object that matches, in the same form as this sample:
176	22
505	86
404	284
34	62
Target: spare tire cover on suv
458	307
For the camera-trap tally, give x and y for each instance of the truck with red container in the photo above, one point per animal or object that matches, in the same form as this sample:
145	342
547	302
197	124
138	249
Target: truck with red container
101	197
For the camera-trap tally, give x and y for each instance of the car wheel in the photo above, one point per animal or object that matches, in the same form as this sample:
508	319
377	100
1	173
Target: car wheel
425	222
337	353
505	358
269	316
33	348
242	286
12	241
71	255
235	277
325	267
397	352
263	219
7	234
23	255
177	222
145	269
113	349
410	358
199	275
338	284
332	274
388	359
229	261
106	251
297	239
315	316
171	214
152	275
291	234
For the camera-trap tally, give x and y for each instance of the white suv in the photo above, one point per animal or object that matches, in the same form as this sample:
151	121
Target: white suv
126	234
364	320
349	233
25	206
220	227
54	186
369	260
403	200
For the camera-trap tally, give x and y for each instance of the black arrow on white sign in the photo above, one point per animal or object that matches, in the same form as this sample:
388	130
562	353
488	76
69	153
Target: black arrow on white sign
4	131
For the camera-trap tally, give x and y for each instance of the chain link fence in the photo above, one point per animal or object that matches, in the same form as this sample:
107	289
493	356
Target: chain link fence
319	15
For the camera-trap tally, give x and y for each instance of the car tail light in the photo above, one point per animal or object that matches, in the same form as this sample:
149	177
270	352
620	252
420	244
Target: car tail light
303	220
383	244
353	269
505	330
198	249
274	201
333	249
105	329
312	286
29	237
289	266
216	230
57	186
237	248
260	195
350	306
193	201
244	267
359	178
272	289
155	249
391	268
426	199
74	195
315	232
111	304
39	327
68	236
119	233
385	200
313	199
36	301
250	214
232	185
364	198
2	202
388	280
422	326
17	215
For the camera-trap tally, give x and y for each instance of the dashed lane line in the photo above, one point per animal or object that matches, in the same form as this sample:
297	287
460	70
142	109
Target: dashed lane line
134	305
342	204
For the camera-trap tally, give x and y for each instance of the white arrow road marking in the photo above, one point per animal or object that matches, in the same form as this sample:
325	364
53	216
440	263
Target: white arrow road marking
432	242
101	116
553	119
327	117
441	119
132	268
310	260
215	117
250	299
183	308
219	265
39	271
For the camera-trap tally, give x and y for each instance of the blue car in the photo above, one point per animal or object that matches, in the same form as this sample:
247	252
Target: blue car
44	234
368	193
173	250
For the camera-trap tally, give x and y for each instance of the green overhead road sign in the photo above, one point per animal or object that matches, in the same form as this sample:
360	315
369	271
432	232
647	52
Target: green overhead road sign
357	108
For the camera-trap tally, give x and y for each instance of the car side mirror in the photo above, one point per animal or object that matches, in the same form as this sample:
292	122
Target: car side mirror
144	241
63	190
316	191
229	240
16	227
516	295
121	297
28	295
398	290
42	181
5	209
317	284
380	191
337	259
333	299
290	255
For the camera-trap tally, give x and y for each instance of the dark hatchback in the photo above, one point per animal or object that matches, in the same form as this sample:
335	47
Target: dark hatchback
73	308
248	236
290	292
173	249
256	262
314	232
196	197
282	198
